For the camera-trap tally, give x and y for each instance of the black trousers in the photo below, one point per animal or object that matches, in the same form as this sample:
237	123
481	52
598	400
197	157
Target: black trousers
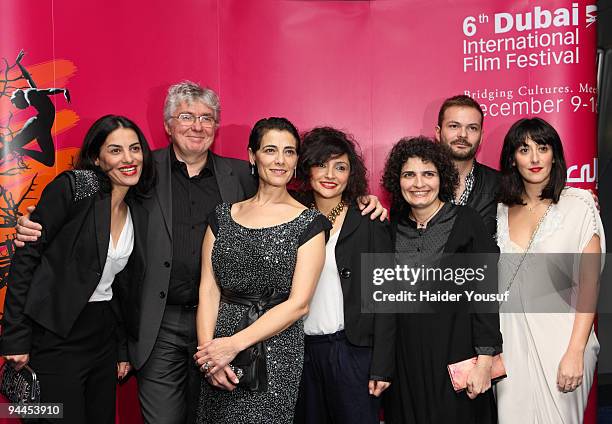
334	386
81	370
169	382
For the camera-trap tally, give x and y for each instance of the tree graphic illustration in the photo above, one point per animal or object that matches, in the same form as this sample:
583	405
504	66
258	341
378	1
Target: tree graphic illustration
22	92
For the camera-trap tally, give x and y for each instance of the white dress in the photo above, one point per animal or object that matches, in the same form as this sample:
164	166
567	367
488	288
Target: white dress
537	321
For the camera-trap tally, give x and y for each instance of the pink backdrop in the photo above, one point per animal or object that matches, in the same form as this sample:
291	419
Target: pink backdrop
378	69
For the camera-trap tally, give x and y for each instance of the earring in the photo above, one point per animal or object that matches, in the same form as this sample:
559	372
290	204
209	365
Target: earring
252	168
295	172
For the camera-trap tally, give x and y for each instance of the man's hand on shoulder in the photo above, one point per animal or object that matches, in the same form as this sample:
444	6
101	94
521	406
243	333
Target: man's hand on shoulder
370	204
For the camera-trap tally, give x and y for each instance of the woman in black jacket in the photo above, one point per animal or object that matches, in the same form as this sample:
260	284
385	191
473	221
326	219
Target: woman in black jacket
71	294
349	355
421	178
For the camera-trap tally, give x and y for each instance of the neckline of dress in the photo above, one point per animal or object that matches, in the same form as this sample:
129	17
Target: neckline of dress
263	228
535	235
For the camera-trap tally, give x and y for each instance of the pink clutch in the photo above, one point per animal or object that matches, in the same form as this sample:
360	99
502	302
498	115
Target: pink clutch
459	371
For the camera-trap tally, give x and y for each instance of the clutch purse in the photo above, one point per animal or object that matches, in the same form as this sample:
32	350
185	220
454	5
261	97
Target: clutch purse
250	368
459	371
21	386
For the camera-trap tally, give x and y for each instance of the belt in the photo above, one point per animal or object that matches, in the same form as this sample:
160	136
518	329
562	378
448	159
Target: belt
254	357
257	303
189	307
319	338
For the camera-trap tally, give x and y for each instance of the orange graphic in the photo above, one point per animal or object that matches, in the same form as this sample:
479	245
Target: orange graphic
29	125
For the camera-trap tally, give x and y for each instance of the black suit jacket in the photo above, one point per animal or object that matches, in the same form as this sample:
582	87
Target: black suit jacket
476	329
52	279
359	234
235	184
468	237
483	197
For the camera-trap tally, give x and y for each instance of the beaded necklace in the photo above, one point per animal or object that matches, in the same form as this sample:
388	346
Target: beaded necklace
334	213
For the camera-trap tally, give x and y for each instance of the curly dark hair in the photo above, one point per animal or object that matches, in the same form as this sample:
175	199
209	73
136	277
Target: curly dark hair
320	145
541	132
428	151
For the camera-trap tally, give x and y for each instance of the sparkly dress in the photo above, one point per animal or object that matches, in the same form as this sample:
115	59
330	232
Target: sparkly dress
249	261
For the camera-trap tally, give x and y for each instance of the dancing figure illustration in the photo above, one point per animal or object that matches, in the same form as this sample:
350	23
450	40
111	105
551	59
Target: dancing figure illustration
37	127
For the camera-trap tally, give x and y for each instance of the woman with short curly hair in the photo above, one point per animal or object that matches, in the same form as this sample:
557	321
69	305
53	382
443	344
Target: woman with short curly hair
421	179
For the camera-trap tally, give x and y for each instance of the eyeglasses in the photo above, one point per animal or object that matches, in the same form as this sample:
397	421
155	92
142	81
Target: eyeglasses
188	119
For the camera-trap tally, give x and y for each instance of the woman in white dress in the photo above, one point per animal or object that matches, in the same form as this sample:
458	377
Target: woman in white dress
550	348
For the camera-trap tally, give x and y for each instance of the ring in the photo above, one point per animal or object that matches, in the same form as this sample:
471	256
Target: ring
206	366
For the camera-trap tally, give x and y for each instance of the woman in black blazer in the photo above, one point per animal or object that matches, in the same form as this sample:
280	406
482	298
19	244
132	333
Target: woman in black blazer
421	178
349	355
71	299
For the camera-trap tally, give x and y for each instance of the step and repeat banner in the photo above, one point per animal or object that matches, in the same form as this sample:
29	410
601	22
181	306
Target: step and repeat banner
377	69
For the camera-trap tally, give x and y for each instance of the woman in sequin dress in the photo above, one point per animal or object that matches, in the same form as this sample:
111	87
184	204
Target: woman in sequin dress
268	246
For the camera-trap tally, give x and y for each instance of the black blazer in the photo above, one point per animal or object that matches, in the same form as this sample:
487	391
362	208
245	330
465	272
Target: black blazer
235	184
52	279
483	197
359	234
477	329
468	236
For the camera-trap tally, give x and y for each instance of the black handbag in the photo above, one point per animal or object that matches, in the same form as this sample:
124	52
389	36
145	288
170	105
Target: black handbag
21	387
250	368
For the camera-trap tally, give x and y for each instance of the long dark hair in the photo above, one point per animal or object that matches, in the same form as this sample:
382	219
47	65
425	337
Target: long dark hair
541	132
320	145
94	139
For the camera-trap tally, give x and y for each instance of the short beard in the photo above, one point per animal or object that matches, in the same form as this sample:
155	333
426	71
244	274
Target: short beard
464	156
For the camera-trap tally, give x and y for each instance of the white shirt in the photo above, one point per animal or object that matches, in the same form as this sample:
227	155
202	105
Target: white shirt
116	259
326	315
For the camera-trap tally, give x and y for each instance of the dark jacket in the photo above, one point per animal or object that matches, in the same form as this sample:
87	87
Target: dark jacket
235	184
52	279
478	329
360	234
467	237
483	197
428	342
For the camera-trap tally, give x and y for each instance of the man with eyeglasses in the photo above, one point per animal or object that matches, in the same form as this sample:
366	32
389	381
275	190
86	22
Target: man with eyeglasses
192	181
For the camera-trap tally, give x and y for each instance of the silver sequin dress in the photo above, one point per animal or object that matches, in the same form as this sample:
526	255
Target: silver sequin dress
248	261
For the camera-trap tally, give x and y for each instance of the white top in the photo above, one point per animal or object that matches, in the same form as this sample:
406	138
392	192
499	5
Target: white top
116	259
553	259
568	227
326	314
